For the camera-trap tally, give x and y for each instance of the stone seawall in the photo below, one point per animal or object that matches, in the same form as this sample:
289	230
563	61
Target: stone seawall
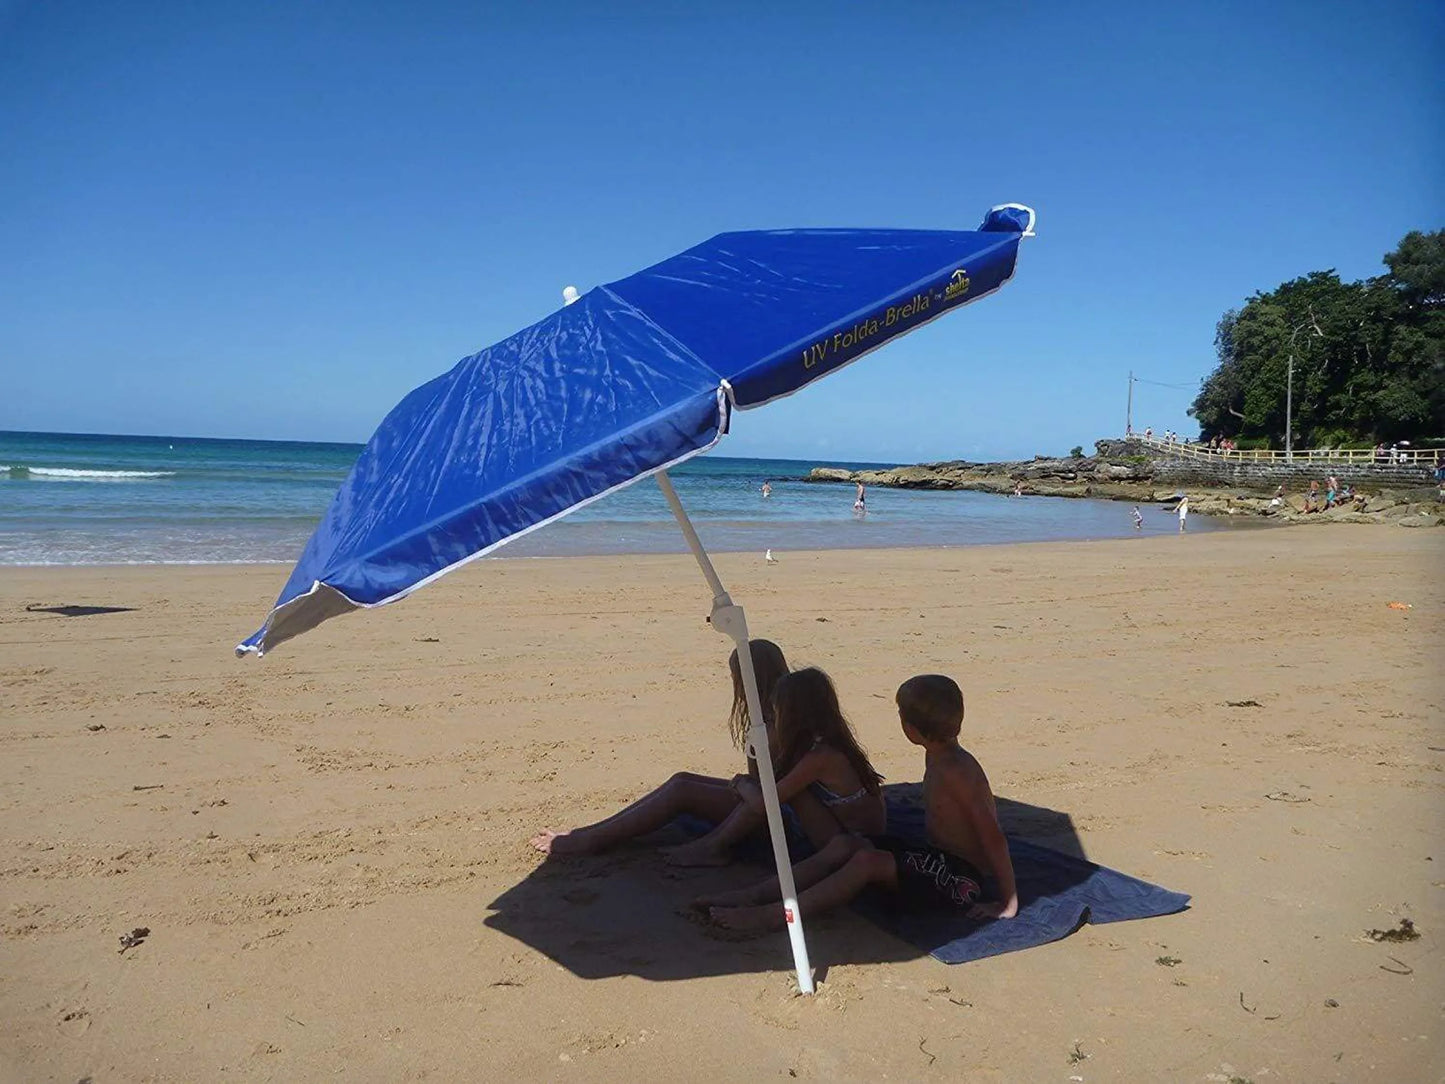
1297	475
1264	475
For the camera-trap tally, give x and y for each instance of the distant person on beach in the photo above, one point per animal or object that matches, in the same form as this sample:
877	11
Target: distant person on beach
1312	498
1138	518
1018	489
1183	511
1332	491
767	489
1149	433
859	503
963	866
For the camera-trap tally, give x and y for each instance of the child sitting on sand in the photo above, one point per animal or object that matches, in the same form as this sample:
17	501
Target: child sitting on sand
965	863
710	797
818	757
822	772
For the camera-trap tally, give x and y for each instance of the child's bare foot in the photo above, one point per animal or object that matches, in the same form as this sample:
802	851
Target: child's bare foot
551	841
739	897
697	853
748	920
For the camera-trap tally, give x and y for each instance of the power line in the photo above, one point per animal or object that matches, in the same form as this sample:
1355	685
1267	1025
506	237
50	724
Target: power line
1160	384
1129	409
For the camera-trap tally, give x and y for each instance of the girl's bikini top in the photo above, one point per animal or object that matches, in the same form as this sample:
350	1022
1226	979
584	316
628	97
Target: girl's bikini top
828	796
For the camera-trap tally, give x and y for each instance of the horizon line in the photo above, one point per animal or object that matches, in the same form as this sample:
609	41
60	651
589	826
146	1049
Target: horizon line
362	444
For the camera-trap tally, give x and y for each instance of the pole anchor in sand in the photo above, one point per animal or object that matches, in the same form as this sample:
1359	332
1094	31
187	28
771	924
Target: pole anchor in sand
729	619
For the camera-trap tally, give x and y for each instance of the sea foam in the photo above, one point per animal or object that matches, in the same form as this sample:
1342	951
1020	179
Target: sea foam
74	475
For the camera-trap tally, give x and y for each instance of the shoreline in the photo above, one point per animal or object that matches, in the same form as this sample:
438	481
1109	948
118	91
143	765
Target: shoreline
1239	527
913	521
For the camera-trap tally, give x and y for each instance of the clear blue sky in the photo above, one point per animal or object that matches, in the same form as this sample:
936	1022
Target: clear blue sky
273	219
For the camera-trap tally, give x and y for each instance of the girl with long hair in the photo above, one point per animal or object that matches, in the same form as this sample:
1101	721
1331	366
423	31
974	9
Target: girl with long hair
822	771
707	797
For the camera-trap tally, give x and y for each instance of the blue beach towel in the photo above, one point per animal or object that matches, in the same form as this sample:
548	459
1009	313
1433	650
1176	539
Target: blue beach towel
1058	893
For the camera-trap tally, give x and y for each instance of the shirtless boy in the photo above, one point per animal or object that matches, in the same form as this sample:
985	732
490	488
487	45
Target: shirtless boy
965	863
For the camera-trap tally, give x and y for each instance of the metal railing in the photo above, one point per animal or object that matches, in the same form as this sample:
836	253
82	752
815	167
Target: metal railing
1394	457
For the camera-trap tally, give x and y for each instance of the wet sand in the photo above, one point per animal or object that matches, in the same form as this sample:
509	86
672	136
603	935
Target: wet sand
314	839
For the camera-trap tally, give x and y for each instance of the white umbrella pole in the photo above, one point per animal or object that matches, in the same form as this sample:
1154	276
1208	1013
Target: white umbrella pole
729	619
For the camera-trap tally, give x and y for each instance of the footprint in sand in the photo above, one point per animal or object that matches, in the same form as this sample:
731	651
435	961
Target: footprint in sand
75	1023
581	897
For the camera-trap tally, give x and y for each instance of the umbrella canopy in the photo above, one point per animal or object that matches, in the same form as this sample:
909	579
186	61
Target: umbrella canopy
636	376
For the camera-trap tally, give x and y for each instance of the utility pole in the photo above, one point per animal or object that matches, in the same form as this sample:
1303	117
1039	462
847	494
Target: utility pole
1129	409
1289	406
1314	326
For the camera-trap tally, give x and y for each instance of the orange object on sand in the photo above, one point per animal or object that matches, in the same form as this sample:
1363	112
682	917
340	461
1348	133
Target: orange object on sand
1398	605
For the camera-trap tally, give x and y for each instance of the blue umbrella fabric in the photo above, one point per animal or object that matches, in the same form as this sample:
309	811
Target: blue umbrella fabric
635	377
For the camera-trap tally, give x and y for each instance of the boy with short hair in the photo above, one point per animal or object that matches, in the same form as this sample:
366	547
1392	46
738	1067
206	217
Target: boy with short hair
966	847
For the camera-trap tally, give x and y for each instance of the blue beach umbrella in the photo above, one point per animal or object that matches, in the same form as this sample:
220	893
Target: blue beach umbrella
633	378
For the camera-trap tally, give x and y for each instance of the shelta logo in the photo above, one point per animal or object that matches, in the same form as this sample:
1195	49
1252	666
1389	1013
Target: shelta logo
958	285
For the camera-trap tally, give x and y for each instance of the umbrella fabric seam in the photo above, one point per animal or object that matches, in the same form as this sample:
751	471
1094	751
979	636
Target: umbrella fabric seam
529	476
724	401
541	470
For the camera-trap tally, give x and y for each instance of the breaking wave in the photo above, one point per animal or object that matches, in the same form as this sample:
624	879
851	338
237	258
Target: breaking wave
75	475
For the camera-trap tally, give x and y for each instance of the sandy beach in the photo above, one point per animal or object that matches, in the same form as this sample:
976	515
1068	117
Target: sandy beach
315	839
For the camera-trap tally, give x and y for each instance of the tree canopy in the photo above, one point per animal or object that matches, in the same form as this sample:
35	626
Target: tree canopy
1369	356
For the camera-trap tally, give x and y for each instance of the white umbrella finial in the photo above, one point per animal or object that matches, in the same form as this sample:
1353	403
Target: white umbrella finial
569	295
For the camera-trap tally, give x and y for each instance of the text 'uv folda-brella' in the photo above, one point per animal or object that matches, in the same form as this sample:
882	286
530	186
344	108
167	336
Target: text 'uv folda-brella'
624	382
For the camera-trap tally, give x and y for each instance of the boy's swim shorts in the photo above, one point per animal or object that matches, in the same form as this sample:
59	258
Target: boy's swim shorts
928	875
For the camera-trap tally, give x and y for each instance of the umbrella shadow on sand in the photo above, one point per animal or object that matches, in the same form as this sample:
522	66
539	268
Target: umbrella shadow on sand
624	912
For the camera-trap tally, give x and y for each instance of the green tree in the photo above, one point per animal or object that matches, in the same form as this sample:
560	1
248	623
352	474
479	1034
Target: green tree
1374	370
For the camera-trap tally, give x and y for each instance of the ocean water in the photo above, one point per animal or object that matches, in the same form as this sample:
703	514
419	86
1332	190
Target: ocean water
80	499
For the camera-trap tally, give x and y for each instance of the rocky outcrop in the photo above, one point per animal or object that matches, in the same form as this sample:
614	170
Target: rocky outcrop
1121	470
